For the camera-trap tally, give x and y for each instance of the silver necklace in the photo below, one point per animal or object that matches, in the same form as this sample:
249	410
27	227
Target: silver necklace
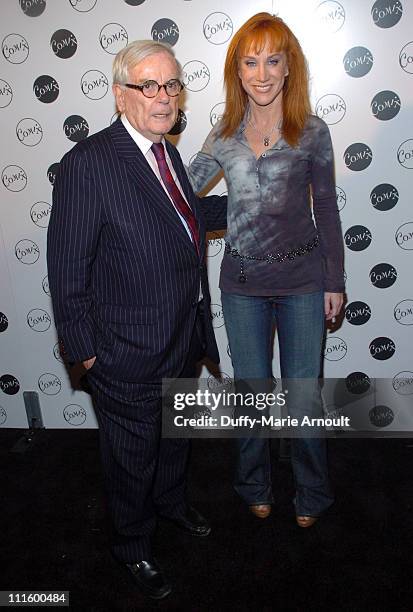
266	138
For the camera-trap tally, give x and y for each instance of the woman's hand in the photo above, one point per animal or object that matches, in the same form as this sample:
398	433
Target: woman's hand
333	303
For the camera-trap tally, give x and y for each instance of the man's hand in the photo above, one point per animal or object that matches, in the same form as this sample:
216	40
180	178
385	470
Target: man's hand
88	363
332	305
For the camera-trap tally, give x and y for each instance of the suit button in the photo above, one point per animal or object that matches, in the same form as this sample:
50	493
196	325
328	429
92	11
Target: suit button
194	304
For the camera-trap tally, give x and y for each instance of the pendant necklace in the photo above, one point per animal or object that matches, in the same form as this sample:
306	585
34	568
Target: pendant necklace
266	138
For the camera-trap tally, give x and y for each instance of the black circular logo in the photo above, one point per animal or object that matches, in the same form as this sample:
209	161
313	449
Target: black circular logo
406	58
404	236
6	94
27	251
180	124
382	348
52	172
405	154
63	44
83	6
358	156
49	384
403	383
29	132
46	89
32	8
134	2
196	75
218	28
386	13
357	383
335	348
341	198
14	178
331	108
383	275
357	238
40	214
384	196
113	37
385	105
358	61
9	384
332	15
381	416
94	84
358	313
165	30
216	113
76	128
45	285
403	312
15	48
39	320
4	322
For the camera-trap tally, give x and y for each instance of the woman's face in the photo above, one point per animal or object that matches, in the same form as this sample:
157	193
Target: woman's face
263	75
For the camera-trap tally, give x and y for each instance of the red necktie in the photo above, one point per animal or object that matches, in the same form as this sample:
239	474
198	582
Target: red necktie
177	198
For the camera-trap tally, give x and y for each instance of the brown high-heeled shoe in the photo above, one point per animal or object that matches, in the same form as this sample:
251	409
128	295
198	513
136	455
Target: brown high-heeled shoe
261	510
306	521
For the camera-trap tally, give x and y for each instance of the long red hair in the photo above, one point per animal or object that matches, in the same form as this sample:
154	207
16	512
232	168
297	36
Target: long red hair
259	30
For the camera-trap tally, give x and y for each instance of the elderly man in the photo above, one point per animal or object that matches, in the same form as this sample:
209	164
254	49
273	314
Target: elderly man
126	250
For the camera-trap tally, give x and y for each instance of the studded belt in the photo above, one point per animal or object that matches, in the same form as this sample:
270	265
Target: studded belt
270	258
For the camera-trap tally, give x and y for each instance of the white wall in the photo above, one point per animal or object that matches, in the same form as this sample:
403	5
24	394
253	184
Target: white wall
347	91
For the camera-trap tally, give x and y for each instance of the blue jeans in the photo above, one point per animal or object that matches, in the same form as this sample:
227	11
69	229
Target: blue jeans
299	320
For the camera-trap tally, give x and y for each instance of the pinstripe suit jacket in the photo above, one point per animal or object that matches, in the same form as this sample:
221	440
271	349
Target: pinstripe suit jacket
123	273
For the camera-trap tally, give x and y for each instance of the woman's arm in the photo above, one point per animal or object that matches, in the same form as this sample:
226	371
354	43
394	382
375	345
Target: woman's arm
326	212
204	167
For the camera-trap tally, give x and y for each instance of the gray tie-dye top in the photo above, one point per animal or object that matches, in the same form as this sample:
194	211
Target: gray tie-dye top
269	212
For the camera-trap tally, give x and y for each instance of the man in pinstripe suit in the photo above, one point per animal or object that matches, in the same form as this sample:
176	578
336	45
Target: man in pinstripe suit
126	250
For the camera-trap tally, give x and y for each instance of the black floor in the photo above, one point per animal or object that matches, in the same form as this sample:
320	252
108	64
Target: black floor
357	558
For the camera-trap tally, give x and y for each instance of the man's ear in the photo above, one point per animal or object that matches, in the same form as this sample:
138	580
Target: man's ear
119	94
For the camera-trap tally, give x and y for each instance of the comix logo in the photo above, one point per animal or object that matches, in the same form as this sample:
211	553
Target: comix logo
6	94
332	15
331	108
196	75
335	348
384	196
32	8
165	30
14	178
113	37
29	132
15	48
218	28
358	61
386	13
63	44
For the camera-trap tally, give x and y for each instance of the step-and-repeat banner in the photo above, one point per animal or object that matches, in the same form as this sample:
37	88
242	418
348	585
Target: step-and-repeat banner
55	90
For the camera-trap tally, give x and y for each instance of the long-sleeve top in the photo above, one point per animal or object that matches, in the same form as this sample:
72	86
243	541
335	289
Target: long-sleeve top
277	243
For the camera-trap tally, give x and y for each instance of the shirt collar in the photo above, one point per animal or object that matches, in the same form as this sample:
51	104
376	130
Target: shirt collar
143	143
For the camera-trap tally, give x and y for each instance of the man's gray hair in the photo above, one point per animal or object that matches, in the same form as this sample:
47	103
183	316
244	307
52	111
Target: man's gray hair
136	52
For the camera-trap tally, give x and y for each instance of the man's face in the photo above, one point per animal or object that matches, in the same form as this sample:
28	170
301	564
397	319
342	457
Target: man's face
152	117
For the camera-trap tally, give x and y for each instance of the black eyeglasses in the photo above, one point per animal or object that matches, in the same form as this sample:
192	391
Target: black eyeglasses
150	89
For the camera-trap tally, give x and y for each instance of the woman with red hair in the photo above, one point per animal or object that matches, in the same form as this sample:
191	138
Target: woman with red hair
283	261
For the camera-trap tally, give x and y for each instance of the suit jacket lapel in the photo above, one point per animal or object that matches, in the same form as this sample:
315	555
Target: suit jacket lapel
141	173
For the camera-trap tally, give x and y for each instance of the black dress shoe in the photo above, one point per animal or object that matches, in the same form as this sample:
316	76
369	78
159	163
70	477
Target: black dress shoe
192	522
150	579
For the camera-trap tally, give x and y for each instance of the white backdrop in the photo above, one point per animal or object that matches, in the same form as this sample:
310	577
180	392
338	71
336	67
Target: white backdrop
55	77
